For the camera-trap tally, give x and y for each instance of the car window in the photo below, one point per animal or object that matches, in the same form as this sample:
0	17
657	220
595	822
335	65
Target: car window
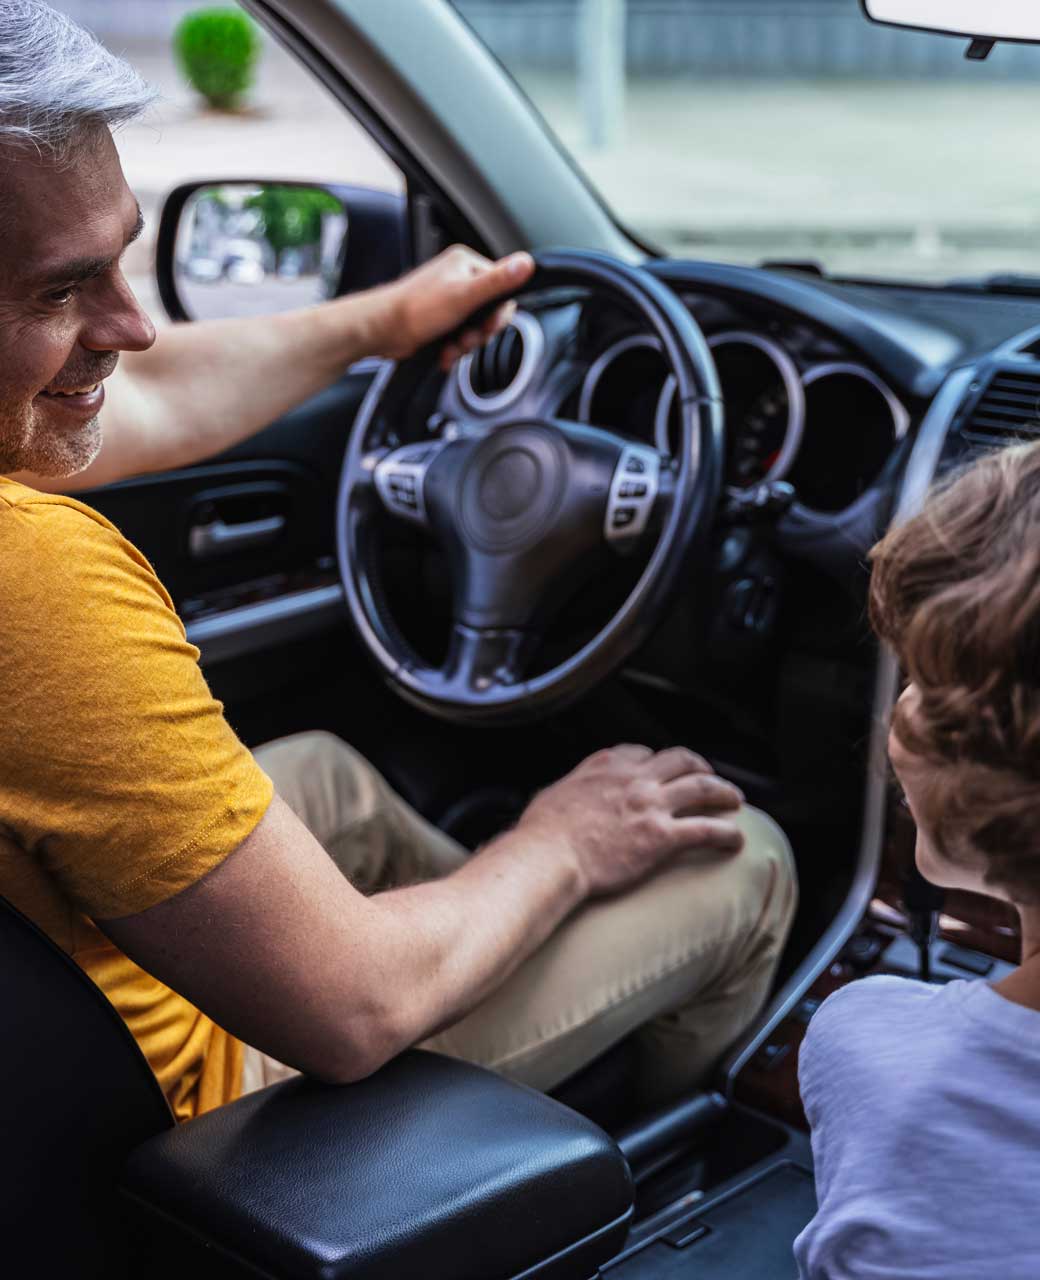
287	126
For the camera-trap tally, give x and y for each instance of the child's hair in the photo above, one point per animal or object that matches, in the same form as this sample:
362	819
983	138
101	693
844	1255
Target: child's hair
956	592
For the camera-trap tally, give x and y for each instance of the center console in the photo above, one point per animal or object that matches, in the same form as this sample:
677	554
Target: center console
972	937
431	1167
732	1215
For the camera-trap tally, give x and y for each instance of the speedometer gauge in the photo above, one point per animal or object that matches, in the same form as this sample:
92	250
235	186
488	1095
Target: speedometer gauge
754	444
765	407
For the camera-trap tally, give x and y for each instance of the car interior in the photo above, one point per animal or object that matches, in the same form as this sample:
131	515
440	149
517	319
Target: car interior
641	513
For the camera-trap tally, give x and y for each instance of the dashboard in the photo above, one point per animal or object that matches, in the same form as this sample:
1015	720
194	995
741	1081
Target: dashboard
824	383
825	386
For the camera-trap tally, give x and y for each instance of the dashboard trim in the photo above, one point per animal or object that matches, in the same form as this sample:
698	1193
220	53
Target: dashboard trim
920	471
914	353
599	366
900	413
239	631
794	384
533	349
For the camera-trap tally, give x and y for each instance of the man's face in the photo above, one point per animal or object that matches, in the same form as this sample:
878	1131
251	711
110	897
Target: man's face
66	310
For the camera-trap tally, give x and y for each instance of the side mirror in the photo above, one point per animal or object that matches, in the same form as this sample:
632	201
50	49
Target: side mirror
242	247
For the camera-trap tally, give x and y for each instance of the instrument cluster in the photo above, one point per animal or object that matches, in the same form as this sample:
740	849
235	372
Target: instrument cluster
827	427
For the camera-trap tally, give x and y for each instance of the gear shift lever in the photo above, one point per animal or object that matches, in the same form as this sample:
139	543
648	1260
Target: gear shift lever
923	902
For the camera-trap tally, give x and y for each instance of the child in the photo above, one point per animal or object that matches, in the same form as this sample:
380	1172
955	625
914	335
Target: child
924	1101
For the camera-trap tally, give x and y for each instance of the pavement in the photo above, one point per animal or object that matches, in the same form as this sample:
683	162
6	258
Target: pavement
908	178
927	179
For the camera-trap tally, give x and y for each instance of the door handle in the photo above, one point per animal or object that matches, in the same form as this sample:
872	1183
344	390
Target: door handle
218	538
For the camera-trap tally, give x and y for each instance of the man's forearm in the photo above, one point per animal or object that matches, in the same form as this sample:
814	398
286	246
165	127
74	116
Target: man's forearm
205	386
212	384
307	969
451	942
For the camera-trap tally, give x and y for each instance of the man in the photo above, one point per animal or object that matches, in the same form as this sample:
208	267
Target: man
237	910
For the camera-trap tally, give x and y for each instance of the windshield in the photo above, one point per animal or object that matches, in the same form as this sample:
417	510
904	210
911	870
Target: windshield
752	130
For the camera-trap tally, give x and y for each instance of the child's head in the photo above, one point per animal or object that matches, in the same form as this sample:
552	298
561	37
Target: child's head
956	592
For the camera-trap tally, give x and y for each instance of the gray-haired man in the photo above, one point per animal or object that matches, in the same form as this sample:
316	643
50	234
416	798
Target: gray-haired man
636	893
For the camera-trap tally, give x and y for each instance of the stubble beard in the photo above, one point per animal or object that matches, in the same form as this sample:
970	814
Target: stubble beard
47	453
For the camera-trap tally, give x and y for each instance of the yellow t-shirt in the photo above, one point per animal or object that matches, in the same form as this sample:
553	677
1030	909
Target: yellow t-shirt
121	783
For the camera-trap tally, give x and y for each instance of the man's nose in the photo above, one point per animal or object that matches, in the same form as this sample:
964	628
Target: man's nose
118	324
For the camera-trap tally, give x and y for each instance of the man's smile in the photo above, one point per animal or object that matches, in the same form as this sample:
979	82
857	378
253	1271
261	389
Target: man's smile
73	391
86	400
84	396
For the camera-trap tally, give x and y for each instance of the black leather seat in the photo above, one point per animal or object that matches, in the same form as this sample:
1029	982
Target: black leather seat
429	1167
78	1097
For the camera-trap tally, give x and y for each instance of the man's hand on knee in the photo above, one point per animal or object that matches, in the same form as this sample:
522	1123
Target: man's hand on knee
623	812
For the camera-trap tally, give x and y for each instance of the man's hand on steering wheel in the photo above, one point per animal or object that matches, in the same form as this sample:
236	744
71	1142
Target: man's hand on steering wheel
624	812
437	298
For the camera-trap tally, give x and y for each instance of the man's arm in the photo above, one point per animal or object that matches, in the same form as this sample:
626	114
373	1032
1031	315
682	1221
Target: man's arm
279	948
205	386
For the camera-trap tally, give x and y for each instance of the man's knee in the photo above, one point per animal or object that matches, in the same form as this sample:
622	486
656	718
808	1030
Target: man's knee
769	863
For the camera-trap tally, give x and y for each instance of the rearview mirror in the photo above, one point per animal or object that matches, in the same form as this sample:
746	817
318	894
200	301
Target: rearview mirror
980	20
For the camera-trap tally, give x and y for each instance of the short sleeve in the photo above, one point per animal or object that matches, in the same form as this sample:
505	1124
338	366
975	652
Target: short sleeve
120	772
853	1040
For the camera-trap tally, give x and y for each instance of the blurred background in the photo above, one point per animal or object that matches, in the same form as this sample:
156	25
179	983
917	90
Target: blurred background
739	130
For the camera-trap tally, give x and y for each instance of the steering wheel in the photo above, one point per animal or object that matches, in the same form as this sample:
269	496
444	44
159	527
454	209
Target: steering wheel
524	504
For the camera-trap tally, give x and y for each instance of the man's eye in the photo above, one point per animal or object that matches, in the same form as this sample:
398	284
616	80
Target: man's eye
62	296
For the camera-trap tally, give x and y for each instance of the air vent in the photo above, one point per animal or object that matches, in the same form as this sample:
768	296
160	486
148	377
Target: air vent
497	373
1008	408
496	364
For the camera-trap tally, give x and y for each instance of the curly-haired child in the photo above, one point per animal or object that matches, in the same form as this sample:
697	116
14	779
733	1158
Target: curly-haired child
923	1099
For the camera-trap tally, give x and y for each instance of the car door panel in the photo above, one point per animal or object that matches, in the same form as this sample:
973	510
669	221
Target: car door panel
245	542
188	523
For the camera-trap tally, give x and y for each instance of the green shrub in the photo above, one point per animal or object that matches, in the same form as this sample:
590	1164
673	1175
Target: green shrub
291	217
217	51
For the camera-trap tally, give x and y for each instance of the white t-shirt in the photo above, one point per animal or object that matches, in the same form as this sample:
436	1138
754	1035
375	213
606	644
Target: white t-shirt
924	1103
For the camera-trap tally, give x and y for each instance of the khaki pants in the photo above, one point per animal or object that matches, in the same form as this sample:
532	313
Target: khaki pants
684	960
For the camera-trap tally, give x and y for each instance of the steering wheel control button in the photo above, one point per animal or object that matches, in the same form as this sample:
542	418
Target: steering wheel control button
399	479
631	501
